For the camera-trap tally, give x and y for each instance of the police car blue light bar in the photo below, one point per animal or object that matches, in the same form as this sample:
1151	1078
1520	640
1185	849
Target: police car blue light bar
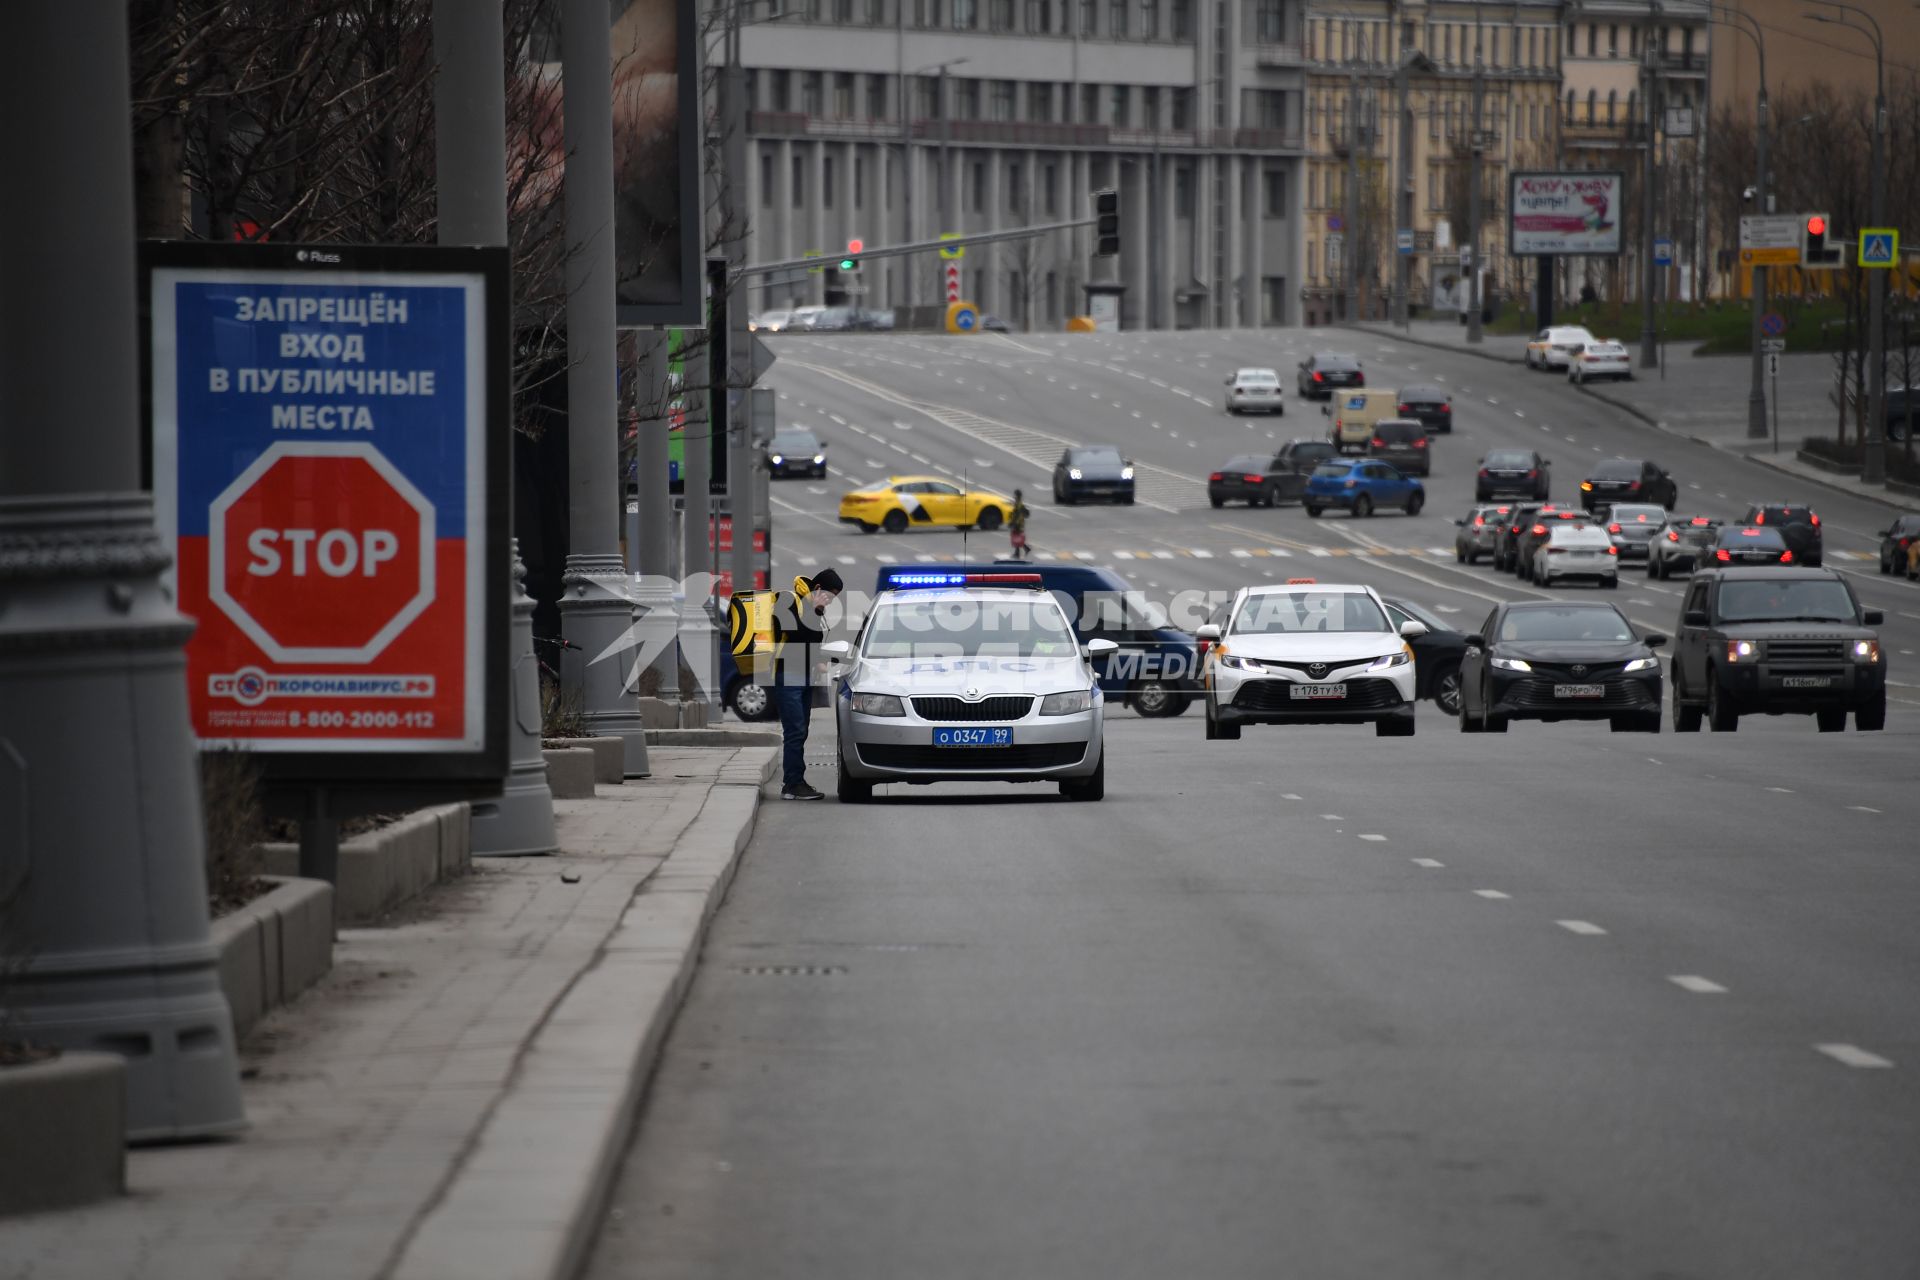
921	579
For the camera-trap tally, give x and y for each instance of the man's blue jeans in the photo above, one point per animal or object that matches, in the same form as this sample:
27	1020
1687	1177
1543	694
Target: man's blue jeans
796	708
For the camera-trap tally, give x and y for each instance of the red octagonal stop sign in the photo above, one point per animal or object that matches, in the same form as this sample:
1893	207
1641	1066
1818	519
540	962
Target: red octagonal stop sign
321	552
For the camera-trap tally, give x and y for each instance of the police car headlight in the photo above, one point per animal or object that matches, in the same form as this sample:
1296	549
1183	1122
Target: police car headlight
1072	702
877	704
1511	664
1641	664
1387	660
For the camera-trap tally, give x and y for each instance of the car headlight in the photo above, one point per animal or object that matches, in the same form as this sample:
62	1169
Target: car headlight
819	457
877	704
1743	651
1389	660
1126	473
1232	663
776	459
1512	664
1866	651
1069	703
1073	473
1641	664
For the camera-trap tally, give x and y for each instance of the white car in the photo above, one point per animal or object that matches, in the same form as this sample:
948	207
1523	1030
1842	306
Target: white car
1307	653
969	677
801	319
1553	348
1254	390
1600	359
1577	551
770	321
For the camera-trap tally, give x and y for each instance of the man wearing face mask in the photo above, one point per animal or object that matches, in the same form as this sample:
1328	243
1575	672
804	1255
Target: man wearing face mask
799	628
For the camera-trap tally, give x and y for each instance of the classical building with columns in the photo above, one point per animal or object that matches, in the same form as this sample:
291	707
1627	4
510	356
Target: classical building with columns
893	121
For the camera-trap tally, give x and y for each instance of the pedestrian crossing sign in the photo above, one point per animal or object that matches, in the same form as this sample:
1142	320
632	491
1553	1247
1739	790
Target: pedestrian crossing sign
1879	246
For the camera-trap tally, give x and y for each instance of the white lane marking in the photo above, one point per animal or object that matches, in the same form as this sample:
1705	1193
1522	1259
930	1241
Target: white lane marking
845	559
1586	928
1289	796
1863	808
898	448
1785	791
1428	862
1490	893
1201	554
1491	400
1853	1055
837	419
1375	838
807	560
1319	551
902	426
982	462
1241	553
875	462
1163	555
1695	983
1333	817
1518	413
815	488
886	557
924	559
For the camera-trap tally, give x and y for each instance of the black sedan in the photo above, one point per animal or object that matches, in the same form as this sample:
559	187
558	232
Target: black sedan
795	451
1543	660
1254	480
1092	471
1748	544
1514	525
1896	543
1513	473
1325	372
1436	655
1628	480
1433	406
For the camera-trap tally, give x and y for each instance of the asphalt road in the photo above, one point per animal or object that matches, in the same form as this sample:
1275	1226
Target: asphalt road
1560	1003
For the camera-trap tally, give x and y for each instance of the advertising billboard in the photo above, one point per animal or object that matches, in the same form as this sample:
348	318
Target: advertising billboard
327	453
658	246
1565	214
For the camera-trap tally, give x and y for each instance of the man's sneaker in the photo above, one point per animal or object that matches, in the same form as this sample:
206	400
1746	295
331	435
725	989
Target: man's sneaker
801	792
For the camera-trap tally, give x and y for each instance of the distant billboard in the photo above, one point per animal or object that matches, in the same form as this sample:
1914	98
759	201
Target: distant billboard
1565	214
658	242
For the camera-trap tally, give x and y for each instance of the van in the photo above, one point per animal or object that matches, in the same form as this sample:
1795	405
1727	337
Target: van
1354	414
1155	671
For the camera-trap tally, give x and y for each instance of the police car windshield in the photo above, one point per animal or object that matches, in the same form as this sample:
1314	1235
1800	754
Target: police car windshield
955	626
1277	613
1805	599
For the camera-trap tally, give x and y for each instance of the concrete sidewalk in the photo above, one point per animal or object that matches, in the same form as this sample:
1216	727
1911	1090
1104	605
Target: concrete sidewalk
451	1102
1702	398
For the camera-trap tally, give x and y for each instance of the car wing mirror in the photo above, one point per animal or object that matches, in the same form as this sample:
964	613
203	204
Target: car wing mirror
1873	618
1883	533
838	650
1475	640
1101	648
1412	629
1210	632
1653	640
1695	617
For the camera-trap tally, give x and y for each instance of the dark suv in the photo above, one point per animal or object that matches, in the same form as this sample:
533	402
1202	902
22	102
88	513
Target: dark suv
1798	523
1777	641
1896	542
1404	443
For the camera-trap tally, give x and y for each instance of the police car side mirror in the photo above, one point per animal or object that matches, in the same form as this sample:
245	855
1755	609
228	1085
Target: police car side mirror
1412	630
836	649
1210	632
1873	618
1695	618
1101	648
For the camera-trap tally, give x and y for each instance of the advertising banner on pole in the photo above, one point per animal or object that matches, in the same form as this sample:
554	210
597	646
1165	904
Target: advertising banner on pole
328	441
656	160
1565	214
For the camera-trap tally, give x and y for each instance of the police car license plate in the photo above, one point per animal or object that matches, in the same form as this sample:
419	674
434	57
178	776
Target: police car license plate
1319	691
973	737
1579	691
1805	682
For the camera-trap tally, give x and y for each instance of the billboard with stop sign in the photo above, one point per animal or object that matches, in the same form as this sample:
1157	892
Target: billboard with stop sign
328	452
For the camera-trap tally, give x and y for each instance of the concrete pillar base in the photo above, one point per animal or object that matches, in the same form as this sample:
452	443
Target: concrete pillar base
597	616
520	821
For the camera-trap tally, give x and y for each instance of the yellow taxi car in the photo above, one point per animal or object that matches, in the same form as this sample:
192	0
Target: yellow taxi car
902	502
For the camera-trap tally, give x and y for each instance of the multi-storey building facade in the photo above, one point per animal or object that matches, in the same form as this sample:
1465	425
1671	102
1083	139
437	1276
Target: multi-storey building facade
894	121
1512	50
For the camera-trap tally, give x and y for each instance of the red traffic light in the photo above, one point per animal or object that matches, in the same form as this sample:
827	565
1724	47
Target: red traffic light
1816	225
855	246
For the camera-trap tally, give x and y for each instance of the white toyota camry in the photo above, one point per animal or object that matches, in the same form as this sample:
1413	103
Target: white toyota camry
1309	653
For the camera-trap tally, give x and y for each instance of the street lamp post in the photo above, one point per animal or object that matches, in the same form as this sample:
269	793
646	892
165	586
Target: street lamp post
1757	279
1873	458
1656	44
1411	60
1476	150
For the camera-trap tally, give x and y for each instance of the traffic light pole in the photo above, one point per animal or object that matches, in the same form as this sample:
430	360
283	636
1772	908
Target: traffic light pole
1649	333
922	246
1757	285
1477	151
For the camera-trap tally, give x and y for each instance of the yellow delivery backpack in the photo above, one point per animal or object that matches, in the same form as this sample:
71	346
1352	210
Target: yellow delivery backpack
751	632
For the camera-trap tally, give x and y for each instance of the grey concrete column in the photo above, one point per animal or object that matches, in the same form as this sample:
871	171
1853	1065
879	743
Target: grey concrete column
653	557
469	92
595	611
697	630
102	872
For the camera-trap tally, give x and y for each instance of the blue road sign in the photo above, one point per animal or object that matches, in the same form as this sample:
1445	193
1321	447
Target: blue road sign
1663	253
1403	240
1878	246
1773	324
963	320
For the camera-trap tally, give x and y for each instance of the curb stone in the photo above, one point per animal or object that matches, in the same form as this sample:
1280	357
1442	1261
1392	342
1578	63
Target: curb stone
528	1200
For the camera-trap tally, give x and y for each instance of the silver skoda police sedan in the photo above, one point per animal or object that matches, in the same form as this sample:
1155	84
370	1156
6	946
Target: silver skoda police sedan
968	677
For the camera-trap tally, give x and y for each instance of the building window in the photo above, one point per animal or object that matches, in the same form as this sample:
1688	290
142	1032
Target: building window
1150	107
766	180
1273	299
1633	105
1182	15
1089	104
1274	184
1270	110
1446	43
1313	260
826	182
927	98
969	107
966	14
1089	18
1040	17
1116	19
843	12
1433	124
843	94
1569	106
859	182
1182	110
877	98
1270	22
1016	187
1183	191
1040	103
1000	15
876	13
782	91
979	186
1593	39
1313	186
810	93
1613	40
1003	99
1121	119
1613	105
1149	19
1433	188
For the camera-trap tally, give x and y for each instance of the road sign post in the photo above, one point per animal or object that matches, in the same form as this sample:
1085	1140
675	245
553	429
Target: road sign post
329	444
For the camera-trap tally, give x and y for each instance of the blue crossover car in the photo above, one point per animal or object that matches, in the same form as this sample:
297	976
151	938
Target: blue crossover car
1362	487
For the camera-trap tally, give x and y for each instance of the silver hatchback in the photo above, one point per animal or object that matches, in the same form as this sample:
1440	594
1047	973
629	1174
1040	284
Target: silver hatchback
1480	531
969	677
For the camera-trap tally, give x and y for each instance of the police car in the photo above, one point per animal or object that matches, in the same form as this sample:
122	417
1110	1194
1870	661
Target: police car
968	677
1307	653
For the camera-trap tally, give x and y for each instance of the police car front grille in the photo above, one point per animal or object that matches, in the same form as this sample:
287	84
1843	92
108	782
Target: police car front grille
1034	755
1003	707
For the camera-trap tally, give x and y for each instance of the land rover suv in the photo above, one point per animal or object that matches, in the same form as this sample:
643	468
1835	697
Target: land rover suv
1776	641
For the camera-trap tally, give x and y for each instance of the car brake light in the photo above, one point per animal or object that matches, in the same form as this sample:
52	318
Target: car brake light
1534	474
1318	376
1447	408
1252	479
1814	518
1420	444
1633	484
1723	554
1484	473
1613	528
1480	522
1786	557
1378	443
1613	551
1215	476
1749	533
1302	582
1539	531
1672	536
1759	517
1406	408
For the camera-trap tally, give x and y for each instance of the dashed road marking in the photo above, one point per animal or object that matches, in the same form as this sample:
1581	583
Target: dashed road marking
1378	839
1428	862
1863	808
1333	817
1585	928
1490	893
1695	983
1853	1055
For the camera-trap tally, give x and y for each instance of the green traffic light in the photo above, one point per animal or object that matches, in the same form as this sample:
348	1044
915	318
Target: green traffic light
846	264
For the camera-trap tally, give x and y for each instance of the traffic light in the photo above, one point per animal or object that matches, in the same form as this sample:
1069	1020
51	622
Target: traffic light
851	263
1106	212
1815	252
